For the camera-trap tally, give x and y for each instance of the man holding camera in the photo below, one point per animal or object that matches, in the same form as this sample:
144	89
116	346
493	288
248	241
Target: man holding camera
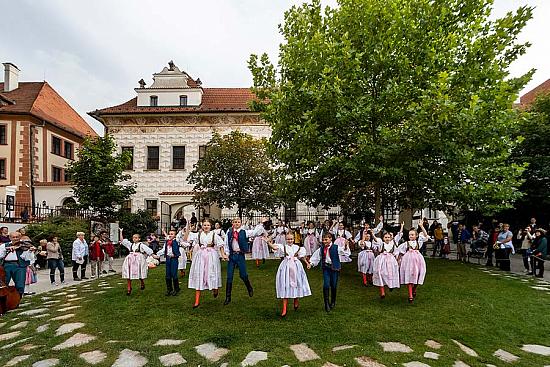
15	257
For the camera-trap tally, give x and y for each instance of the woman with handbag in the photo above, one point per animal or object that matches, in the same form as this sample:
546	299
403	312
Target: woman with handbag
55	260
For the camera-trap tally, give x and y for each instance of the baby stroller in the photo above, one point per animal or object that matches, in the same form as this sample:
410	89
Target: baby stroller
477	250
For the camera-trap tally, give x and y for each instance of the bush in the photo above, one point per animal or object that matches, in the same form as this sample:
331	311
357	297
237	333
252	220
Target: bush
62	227
140	222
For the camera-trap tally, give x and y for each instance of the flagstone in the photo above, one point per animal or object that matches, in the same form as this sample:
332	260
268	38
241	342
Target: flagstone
52	302
172	359
100	292
432	344
130	358
304	353
253	358
93	357
534	348
343	347
68	308
28	347
16	360
163	342
42	328
36	311
469	351
505	356
68	328
460	364
2	324
24	304
328	364
61	294
75	341
46	363
63	317
45	298
492	365
19	325
539	288
395	347
225	364
9	336
365	361
8	346
431	355
415	364
211	352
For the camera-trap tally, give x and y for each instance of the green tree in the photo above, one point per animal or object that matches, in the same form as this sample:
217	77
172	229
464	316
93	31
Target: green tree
140	222
410	97
235	171
98	177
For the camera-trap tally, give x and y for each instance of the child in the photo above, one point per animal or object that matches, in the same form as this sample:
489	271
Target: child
280	233
206	271
413	265
171	250
329	257
30	275
365	261
310	239
386	269
343	238
135	264
291	280
260	250
96	256
184	245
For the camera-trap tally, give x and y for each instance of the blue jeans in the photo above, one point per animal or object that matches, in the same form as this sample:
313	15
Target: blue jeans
17	273
171	268
236	259
56	264
330	278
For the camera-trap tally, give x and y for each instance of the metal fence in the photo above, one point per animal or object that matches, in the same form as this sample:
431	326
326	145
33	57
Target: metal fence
289	216
20	213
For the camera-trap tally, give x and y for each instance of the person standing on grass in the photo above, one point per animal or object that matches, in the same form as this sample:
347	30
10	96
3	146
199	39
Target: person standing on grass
280	233
79	251
260	249
291	279
96	256
526	238
108	252
370	247
342	240
413	266
504	247
310	239
386	268
464	237
329	255
171	250
237	244
184	245
55	260
438	240
540	250
135	264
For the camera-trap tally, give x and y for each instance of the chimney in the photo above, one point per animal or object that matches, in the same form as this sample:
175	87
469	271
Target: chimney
11	77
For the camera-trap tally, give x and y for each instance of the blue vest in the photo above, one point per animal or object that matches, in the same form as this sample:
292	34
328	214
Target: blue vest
334	257
242	239
175	248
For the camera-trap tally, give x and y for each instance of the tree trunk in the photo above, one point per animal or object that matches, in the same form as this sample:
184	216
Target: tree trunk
240	211
377	202
406	216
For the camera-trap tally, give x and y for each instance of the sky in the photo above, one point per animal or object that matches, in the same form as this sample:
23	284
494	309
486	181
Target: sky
94	52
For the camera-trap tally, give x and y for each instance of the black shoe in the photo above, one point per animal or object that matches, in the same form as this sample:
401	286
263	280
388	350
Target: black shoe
112	271
104	272
325	298
176	292
142	287
77	279
228	294
83	278
168	293
332	298
249	287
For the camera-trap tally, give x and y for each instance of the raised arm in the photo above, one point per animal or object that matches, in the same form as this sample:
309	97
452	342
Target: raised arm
315	258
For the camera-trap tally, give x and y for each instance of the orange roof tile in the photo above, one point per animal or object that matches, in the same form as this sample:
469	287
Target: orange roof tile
40	100
530	96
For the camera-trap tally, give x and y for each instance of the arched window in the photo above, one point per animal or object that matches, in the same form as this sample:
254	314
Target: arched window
68	202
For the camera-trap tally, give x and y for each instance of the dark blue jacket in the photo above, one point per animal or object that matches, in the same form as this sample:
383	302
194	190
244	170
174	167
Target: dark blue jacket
242	239
175	248
335	259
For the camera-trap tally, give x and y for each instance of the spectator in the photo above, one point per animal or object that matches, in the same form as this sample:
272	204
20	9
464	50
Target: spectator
480	238
15	259
533	225
492	241
55	260
25	215
464	237
526	238
453	228
4	235
109	250
504	247
193	219
153	242
86	260
30	274
433	226
96	256
438	240
540	245
78	253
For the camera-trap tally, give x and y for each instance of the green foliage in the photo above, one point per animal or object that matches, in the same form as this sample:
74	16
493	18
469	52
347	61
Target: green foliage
408	97
98	177
140	222
235	171
62	227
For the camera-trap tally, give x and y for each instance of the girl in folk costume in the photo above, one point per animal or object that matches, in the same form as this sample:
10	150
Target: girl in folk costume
291	280
342	240
205	272
386	269
135	264
30	274
260	249
219	231
280	233
370	246
322	229
310	239
413	266
184	245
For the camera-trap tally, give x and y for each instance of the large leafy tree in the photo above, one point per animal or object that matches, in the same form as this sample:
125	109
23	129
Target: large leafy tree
408	97
98	178
235	171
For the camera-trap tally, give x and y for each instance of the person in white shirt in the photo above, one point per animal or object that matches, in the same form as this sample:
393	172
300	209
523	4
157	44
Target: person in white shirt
80	248
413	266
135	264
16	257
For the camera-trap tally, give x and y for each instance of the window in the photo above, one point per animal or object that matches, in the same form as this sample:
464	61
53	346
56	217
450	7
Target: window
68	150
154	101
178	157
152	157
126	206
65	176
151	207
56	174
202	151
130	165
2	169
56	145
3	134
290	213
183	100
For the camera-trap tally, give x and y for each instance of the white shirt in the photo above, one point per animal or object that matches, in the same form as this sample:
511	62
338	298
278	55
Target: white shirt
316	257
257	231
79	249
210	239
137	246
291	250
12	255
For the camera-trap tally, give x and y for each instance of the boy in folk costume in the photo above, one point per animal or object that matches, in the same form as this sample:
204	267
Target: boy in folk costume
386	268
329	255
205	272
135	264
342	240
171	250
260	249
370	247
413	265
310	239
237	244
291	279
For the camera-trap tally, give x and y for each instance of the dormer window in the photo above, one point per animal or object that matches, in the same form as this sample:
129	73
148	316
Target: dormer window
154	101
183	100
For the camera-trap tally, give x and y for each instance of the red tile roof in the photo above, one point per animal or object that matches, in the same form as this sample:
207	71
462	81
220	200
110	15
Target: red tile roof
530	96
213	100
40	100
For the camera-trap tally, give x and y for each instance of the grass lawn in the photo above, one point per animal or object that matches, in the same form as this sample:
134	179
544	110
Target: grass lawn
483	311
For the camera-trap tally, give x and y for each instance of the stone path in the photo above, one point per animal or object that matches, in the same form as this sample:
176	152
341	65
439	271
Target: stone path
395	347
505	356
16	360
537	349
172	359
211	352
415	364
46	363
431	355
469	351
343	347
93	357
304	353
162	342
432	344
68	328
253	358
130	358
75	341
368	362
